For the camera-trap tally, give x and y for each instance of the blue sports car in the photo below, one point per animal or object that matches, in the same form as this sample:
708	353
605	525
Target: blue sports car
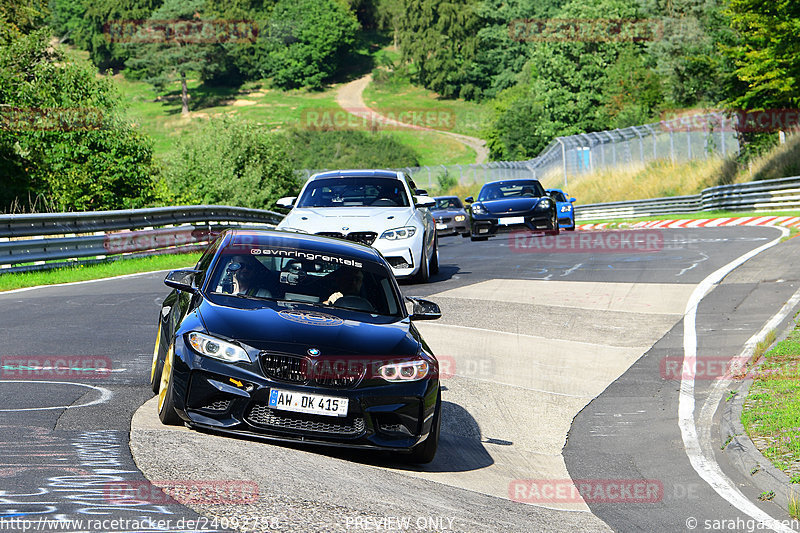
564	208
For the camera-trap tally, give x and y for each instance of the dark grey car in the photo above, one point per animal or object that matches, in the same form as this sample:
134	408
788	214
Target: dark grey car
450	216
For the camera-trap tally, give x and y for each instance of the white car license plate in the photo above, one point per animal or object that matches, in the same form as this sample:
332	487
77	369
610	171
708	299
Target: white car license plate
441	226
302	402
511	221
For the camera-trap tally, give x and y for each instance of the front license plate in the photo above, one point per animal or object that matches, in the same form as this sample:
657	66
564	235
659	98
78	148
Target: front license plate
302	402
511	221
441	226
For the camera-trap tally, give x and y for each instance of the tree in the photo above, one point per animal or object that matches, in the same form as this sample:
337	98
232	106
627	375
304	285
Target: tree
439	38
61	134
768	59
163	54
305	42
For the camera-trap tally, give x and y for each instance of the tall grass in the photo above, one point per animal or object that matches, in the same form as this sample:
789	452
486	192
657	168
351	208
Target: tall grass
656	179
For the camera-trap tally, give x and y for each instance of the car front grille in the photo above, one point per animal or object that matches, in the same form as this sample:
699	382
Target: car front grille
302	370
261	415
444	220
289	368
364	237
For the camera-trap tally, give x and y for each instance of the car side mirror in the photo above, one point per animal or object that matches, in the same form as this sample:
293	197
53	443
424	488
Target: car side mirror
572	200
183	280
424	201
423	309
422	192
469	199
286	202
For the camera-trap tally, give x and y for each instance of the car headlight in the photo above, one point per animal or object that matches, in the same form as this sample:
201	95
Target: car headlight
478	209
544	204
566	208
460	218
410	371
399	233
217	348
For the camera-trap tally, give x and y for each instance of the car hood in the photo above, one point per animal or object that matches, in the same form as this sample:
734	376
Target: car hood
295	329
510	205
317	219
447	212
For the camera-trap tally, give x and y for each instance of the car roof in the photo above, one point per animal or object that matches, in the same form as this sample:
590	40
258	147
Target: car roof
356	173
305	241
511	182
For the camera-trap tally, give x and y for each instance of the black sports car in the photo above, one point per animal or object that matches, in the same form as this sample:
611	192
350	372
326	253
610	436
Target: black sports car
450	216
511	205
296	337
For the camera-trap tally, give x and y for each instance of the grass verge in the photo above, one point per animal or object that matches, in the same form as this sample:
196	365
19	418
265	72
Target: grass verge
771	412
19	280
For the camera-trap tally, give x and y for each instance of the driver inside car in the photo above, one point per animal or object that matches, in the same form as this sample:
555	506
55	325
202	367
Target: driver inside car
348	282
249	276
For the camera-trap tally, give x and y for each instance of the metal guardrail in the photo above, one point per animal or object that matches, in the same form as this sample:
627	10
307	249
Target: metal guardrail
73	236
766	195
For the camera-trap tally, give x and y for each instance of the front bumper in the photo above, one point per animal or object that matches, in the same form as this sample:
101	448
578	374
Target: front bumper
233	398
403	255
452	228
489	225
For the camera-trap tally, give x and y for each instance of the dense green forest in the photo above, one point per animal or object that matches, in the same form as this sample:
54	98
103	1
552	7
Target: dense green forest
544	68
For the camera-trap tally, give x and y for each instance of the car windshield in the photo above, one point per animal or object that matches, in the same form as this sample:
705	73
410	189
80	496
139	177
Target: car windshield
496	191
448	203
302	276
354	192
558	196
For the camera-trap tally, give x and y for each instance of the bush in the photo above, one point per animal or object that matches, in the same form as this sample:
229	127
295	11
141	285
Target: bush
316	149
229	162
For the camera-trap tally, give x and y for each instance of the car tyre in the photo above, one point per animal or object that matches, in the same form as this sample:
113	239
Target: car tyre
424	273
424	452
166	405
434	266
554	229
157	364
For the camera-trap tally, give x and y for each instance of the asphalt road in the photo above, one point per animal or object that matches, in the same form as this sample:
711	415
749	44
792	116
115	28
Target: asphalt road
536	335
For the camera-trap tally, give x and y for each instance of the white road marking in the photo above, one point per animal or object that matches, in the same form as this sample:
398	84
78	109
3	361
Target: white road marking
105	395
571	270
705	466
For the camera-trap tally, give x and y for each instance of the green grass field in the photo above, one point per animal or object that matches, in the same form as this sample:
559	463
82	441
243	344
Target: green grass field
158	114
771	413
10	281
397	94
